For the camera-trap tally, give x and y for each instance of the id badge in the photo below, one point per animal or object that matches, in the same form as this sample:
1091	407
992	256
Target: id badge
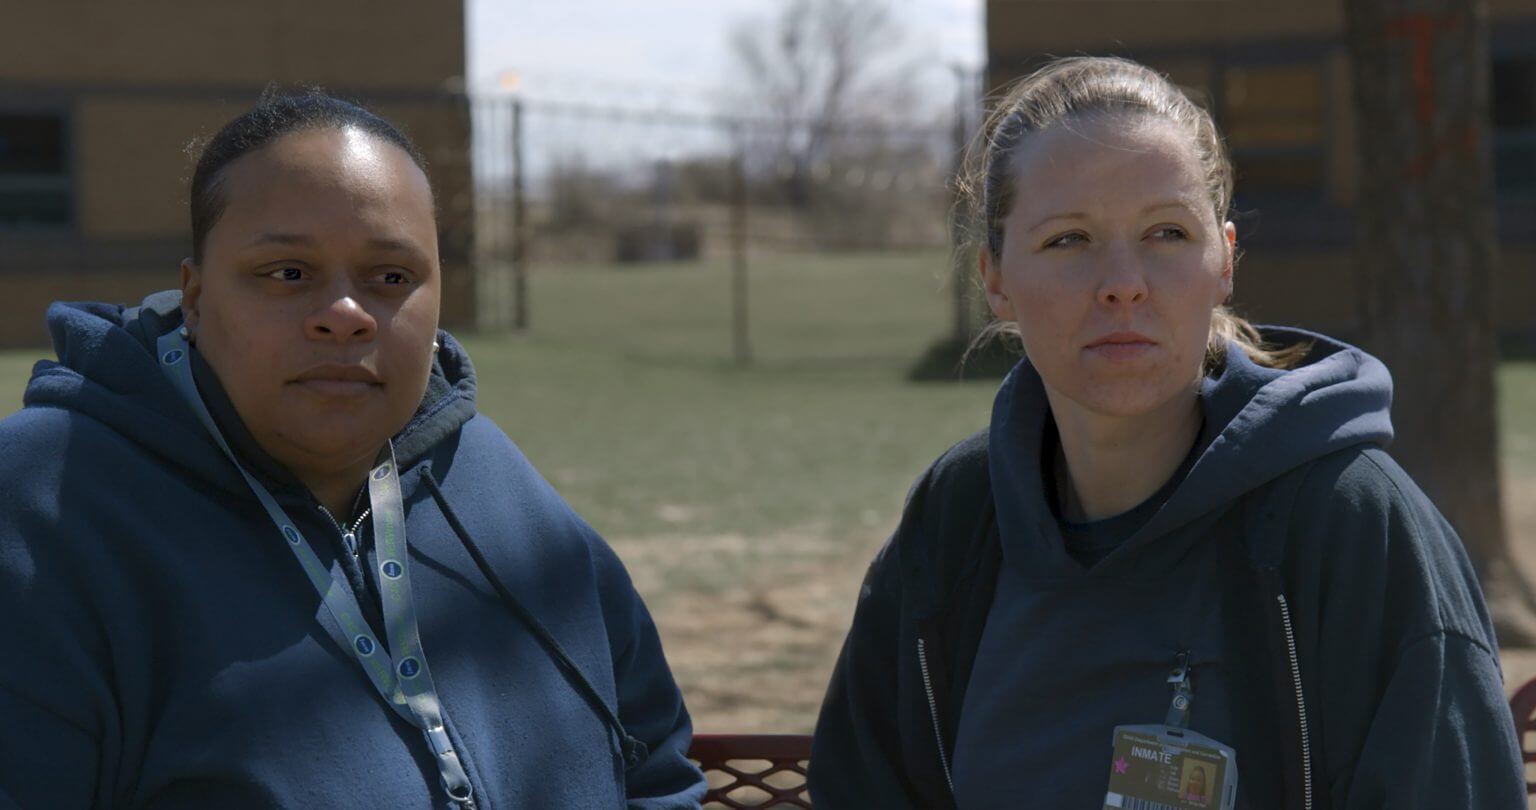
1167	768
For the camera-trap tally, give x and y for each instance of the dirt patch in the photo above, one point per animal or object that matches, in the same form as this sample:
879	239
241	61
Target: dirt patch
752	653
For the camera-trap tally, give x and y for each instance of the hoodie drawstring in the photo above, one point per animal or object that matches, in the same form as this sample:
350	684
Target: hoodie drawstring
633	750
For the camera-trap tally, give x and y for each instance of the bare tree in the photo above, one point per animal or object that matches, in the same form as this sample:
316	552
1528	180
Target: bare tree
1427	258
813	68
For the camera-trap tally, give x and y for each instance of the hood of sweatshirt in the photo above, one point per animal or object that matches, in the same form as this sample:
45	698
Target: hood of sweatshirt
107	369
1259	424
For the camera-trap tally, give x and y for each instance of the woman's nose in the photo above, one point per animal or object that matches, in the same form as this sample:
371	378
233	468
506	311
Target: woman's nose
341	318
1124	280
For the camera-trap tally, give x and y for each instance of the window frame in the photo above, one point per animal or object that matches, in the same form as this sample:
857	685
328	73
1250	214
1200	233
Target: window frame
1518	50
1276	56
1516	207
67	180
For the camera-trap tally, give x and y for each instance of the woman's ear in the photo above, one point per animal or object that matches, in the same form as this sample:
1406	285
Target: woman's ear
992	283
191	291
1229	233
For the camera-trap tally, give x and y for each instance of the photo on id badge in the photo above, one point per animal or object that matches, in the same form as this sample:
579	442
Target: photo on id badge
1170	768
1196	780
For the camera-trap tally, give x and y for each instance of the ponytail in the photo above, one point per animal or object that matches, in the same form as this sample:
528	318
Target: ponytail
1228	327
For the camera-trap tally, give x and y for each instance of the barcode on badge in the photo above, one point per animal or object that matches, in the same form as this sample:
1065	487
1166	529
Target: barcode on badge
1133	803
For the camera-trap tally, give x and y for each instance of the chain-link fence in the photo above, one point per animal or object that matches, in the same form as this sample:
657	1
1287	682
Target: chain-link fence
567	183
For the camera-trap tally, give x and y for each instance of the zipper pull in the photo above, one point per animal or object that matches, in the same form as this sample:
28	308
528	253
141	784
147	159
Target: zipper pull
349	539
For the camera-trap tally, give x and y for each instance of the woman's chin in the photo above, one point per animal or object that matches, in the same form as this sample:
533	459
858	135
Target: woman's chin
333	450
1127	399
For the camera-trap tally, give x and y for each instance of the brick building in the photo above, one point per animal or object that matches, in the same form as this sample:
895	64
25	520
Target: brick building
98	102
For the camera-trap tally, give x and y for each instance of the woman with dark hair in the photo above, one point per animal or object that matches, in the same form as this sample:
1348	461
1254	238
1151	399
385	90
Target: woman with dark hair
259	550
1180	544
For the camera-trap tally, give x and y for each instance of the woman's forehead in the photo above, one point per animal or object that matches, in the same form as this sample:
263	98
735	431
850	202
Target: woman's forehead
1108	162
320	179
343	157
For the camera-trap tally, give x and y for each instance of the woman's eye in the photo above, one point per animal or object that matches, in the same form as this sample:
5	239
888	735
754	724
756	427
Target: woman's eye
1172	232
394	277
288	273
1066	240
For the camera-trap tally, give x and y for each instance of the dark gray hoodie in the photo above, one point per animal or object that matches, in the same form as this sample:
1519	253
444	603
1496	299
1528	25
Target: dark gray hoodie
1337	635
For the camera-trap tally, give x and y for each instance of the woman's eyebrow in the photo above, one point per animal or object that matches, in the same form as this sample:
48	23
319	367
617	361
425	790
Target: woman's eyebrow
385	243
277	238
375	243
1169	204
1078	215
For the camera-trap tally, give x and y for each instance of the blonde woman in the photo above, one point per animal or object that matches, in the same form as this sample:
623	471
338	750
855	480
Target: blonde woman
1179	542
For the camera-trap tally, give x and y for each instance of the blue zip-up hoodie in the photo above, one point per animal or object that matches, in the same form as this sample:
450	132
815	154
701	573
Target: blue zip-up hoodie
163	648
1336	633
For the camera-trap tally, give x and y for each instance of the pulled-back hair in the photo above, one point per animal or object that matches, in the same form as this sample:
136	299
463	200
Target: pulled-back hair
275	115
1077	87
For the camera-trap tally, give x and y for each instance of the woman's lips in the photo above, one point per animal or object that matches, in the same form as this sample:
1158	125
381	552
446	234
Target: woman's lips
339	380
1122	351
1121	346
341	389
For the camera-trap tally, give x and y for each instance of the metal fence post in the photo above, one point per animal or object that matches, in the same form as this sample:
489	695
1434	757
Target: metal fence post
519	223
739	310
963	259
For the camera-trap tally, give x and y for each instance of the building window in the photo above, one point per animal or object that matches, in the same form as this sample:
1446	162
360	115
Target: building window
1514	124
1273	118
34	170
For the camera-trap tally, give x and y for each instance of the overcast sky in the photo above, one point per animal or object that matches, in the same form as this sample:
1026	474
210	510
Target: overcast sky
657	55
582	47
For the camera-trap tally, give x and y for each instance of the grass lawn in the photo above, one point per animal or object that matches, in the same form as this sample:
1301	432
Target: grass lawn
747	501
624	394
1517	418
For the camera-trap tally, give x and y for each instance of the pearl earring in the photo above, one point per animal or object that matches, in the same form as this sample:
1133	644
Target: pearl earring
435	347
186	334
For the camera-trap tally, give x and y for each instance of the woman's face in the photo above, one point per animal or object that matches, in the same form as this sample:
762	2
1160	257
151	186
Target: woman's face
316	301
1112	262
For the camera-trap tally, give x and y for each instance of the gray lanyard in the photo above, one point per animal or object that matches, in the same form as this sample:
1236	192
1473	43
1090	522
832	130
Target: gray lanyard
399	673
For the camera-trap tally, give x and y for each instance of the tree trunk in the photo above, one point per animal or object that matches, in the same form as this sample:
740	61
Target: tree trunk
1427	252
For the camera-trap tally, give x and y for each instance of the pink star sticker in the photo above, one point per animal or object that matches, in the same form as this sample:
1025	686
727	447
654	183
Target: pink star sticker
1121	765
